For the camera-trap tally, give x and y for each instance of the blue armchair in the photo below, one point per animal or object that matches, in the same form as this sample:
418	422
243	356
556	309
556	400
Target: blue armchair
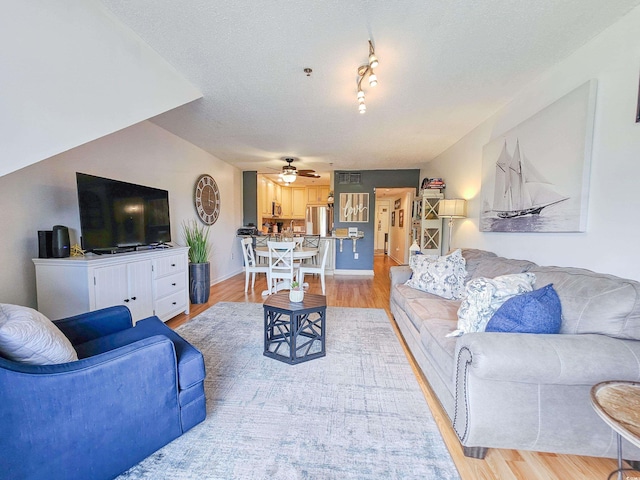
132	391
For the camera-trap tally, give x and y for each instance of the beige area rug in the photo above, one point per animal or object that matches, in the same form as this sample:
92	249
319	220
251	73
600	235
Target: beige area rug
357	413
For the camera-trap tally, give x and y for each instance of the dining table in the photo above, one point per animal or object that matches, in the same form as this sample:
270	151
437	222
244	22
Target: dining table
299	253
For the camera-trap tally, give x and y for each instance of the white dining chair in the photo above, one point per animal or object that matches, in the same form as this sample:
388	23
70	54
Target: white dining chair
251	266
314	268
281	264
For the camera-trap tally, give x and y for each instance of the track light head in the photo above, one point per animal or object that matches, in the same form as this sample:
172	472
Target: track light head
364	71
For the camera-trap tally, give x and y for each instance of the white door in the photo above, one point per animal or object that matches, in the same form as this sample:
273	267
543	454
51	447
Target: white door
382	223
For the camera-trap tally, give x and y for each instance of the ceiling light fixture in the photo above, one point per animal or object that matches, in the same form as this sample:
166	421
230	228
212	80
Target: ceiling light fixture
289	172
364	71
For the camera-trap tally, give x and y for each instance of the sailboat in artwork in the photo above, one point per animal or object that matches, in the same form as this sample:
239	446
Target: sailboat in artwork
519	188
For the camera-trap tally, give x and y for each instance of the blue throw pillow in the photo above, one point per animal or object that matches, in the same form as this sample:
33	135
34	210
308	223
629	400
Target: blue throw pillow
532	312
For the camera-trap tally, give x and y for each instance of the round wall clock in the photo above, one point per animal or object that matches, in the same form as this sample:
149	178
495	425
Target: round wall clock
207	199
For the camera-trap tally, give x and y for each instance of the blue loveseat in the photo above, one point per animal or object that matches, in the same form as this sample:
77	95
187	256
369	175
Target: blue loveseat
132	391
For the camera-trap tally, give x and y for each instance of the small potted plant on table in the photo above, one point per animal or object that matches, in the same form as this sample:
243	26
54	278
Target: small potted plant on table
296	294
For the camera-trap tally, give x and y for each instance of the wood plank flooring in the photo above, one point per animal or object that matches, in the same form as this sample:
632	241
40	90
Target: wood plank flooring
373	292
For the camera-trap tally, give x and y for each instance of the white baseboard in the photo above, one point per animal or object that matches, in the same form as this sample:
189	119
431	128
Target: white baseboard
226	277
339	271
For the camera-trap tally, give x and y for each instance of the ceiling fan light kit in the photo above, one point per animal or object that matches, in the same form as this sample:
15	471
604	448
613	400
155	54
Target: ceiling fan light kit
367	71
290	173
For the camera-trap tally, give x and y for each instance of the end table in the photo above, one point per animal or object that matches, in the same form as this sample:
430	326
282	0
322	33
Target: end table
618	404
294	332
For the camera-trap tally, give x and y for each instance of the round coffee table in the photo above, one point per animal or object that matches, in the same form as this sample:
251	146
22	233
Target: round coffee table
618	404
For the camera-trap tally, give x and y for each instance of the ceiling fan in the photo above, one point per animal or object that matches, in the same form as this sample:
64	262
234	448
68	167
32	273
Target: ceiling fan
290	173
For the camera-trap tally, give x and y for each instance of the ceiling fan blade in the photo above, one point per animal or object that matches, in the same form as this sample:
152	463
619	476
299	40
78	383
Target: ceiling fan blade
308	173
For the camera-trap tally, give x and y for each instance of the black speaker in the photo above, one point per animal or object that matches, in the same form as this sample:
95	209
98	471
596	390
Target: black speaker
60	245
44	243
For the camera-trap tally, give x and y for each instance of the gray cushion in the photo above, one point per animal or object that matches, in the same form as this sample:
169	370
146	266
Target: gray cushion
474	257
494	266
594	302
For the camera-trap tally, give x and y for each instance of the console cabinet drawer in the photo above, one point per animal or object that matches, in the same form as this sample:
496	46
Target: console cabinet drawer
172	303
170	285
169	265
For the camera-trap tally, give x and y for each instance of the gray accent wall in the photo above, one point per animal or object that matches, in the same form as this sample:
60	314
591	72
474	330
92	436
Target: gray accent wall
369	180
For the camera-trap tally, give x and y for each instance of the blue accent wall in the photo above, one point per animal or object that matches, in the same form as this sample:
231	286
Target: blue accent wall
370	179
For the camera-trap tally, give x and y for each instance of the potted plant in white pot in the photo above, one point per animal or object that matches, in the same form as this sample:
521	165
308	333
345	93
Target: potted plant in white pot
197	239
296	294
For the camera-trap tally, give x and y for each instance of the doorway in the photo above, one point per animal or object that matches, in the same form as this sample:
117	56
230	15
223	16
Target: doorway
382	227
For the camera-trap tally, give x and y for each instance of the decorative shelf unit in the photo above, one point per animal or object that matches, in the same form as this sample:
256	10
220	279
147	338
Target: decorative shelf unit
427	226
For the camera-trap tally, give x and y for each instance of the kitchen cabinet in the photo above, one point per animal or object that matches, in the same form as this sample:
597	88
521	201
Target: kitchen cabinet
287	211
298	202
317	194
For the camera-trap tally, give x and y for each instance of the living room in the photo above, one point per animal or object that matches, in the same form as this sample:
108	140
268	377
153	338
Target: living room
113	127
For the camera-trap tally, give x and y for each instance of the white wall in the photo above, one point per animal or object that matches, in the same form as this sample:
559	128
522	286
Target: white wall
42	195
71	73
399	237
610	243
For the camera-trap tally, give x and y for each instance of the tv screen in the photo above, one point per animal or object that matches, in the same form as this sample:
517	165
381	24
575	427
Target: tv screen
115	214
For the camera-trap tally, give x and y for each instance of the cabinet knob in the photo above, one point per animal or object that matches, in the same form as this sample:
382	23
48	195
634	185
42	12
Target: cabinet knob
173	284
173	264
175	303
126	300
133	298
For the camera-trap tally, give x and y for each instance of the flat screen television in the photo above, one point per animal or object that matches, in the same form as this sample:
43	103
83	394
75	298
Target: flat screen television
116	215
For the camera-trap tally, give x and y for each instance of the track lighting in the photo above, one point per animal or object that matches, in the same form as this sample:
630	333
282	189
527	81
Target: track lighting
367	71
373	60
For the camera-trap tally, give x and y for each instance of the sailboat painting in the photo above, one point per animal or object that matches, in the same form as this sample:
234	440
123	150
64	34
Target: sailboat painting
535	178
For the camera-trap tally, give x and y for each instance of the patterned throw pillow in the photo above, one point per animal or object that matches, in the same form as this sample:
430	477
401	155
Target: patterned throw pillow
442	276
485	295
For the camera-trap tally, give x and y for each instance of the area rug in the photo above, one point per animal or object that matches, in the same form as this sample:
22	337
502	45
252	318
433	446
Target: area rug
357	413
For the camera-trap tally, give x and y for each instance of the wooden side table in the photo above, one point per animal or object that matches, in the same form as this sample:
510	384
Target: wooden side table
618	404
294	332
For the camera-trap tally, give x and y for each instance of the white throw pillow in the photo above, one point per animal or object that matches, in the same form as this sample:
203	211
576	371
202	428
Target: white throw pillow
27	336
442	276
485	295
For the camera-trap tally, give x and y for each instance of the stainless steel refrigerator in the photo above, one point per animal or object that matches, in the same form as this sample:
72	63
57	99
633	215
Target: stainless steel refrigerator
319	220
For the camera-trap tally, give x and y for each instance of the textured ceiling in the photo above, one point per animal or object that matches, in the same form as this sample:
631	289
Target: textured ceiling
445	66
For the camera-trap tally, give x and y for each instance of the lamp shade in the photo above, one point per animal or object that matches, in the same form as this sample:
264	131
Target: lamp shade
452	208
289	177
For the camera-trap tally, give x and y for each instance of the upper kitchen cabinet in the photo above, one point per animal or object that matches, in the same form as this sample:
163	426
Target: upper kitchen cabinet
317	194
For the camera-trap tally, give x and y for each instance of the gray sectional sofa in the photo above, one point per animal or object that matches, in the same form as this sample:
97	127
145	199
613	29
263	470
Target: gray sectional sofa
527	391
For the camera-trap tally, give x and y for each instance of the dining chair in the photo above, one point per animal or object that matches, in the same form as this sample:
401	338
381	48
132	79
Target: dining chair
311	241
281	264
314	268
251	267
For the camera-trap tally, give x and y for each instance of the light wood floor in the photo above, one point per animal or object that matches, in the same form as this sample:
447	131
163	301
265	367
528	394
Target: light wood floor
373	292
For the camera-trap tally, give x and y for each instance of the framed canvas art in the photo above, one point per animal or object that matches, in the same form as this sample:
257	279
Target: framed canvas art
401	218
354	207
535	177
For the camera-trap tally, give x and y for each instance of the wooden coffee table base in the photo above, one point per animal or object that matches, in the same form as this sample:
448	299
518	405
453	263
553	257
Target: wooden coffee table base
294	332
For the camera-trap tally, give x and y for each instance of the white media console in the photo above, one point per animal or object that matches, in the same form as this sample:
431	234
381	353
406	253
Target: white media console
151	282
